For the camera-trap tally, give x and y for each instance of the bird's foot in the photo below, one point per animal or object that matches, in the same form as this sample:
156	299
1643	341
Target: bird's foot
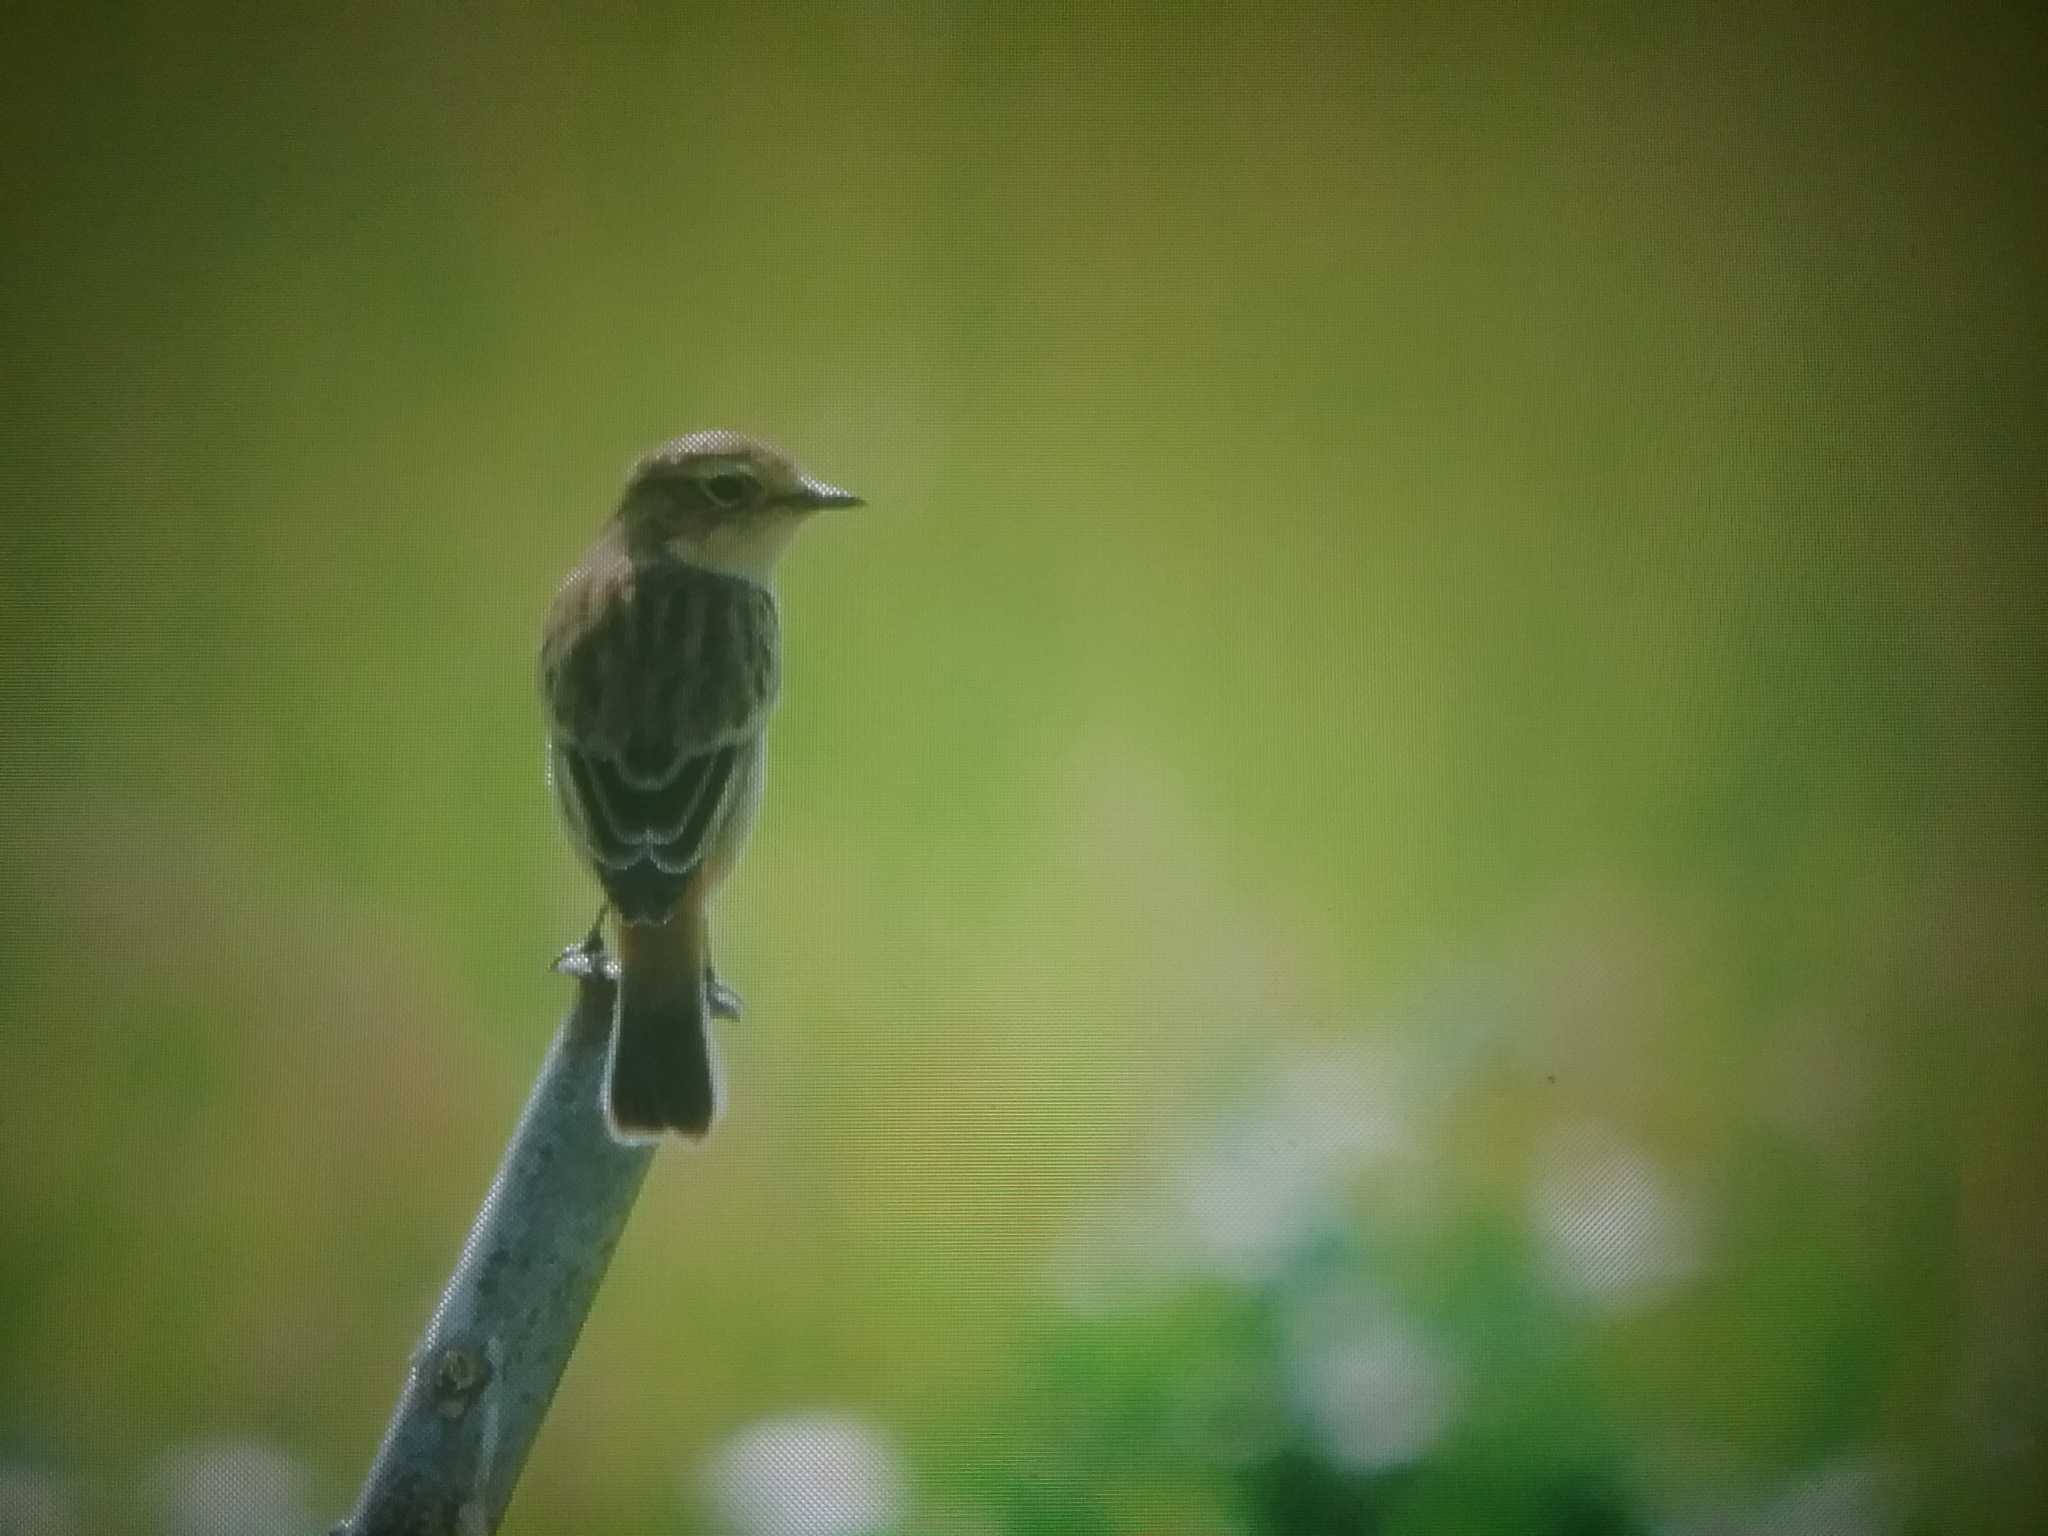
719	996
586	958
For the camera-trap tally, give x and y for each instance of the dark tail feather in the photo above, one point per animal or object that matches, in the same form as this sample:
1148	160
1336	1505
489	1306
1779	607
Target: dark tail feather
661	1076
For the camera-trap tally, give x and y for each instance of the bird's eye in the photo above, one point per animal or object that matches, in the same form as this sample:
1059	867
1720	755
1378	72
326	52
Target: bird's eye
730	489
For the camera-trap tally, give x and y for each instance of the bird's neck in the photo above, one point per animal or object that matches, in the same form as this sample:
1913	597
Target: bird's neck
751	556
748	552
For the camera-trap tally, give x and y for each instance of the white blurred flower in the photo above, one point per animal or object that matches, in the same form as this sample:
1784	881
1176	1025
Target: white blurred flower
1279	1169
816	1474
231	1488
1248	1198
1346	1108
34	1502
1374	1387
1854	1495
1611	1229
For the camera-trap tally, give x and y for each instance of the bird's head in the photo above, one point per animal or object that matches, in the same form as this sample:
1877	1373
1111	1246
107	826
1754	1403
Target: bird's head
722	500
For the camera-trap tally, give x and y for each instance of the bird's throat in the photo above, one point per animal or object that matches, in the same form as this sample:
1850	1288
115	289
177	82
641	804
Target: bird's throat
748	551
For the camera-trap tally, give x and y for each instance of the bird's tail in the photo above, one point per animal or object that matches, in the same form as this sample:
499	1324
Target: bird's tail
661	1076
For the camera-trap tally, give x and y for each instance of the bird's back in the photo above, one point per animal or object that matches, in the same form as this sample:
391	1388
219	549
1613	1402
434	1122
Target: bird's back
657	677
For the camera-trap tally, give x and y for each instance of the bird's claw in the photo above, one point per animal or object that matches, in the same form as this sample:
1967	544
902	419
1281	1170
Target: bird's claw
719	996
586	959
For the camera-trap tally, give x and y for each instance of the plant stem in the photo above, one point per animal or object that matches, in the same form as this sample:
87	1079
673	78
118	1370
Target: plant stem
487	1366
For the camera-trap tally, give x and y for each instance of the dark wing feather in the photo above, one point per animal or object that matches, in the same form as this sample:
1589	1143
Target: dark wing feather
657	677
667	822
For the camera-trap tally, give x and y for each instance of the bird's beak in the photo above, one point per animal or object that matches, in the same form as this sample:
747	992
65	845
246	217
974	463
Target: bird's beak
817	494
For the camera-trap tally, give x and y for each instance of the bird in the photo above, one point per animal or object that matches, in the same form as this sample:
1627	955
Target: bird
660	661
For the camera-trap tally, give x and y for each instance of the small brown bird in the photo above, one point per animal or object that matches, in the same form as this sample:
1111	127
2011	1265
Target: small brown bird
658	668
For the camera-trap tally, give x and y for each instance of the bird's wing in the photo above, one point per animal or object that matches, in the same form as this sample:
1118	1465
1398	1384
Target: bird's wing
657	677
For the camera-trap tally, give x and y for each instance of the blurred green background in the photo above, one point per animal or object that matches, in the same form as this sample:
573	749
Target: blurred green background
1369	509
